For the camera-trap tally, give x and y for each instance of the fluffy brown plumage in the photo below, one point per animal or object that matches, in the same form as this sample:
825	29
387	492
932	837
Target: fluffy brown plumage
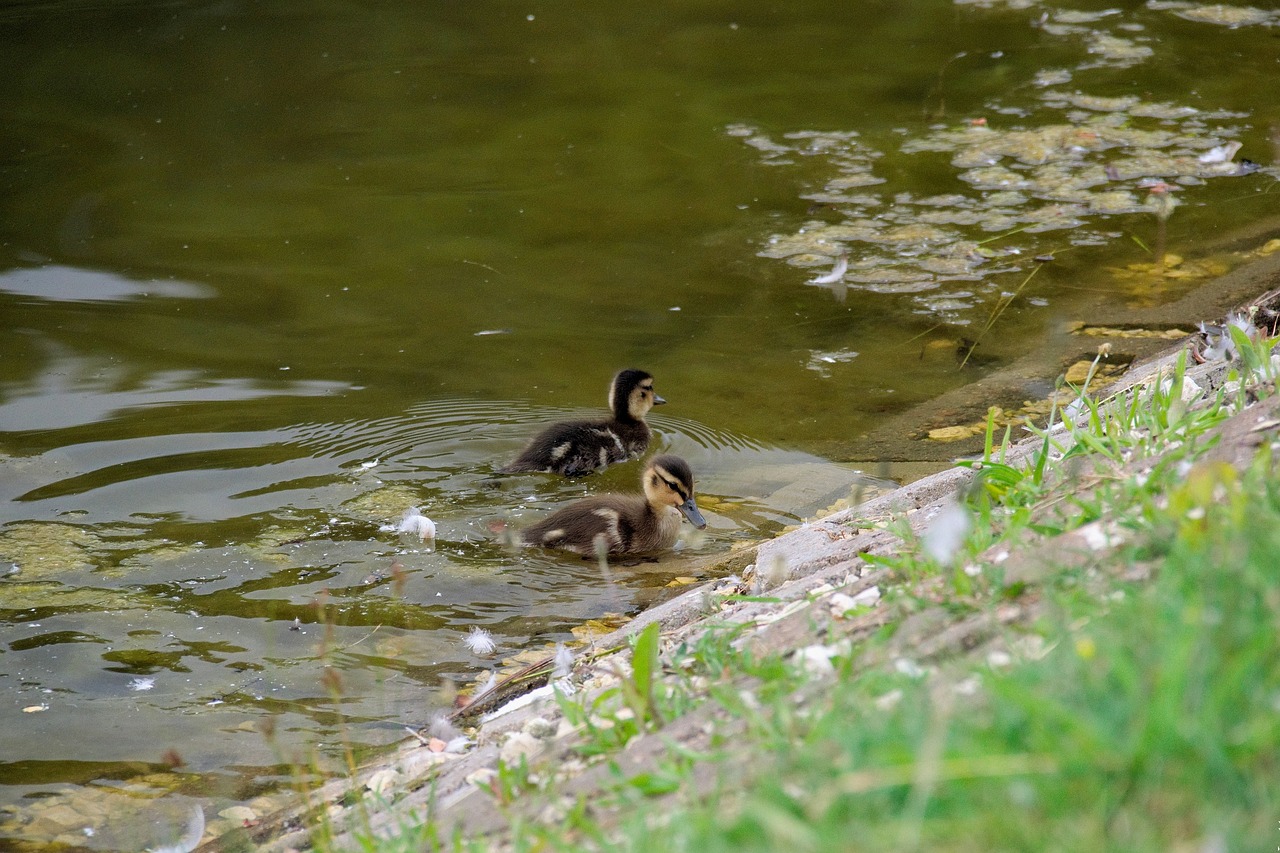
625	524
574	448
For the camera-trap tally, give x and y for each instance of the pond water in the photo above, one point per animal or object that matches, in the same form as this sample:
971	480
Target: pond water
273	273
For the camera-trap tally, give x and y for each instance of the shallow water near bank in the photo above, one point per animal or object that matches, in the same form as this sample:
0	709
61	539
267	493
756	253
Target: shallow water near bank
271	277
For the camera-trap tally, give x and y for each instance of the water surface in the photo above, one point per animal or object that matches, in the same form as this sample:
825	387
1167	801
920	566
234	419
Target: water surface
271	274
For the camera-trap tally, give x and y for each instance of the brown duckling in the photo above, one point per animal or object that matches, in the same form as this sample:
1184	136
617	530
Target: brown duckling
625	524
575	448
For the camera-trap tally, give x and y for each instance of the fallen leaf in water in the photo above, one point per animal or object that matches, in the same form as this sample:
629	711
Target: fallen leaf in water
1171	334
952	433
526	657
1084	370
607	624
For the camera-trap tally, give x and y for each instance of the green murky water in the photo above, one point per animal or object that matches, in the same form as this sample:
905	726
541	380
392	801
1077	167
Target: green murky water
272	273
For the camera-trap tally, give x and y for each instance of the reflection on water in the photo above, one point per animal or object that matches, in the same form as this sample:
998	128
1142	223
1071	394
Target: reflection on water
68	284
251	260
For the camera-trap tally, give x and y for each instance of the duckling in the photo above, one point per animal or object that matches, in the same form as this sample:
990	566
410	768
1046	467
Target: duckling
575	448
625	524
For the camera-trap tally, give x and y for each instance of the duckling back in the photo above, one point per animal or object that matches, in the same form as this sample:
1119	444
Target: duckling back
612	524
575	448
625	524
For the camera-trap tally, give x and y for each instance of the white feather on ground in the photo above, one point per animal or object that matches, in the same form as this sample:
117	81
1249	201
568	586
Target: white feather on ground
563	662
946	533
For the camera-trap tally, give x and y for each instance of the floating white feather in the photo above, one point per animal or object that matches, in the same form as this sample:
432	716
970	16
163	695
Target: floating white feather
480	642
836	274
417	524
1220	154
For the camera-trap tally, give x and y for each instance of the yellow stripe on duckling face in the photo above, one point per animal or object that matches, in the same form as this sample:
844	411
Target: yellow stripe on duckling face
679	493
663	477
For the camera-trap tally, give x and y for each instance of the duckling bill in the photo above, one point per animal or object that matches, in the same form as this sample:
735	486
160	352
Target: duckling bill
575	448
625	524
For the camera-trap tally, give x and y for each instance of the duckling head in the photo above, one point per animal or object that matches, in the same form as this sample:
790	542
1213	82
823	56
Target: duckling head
669	482
631	395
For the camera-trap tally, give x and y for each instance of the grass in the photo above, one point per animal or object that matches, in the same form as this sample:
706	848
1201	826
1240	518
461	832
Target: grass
1151	723
1135	706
